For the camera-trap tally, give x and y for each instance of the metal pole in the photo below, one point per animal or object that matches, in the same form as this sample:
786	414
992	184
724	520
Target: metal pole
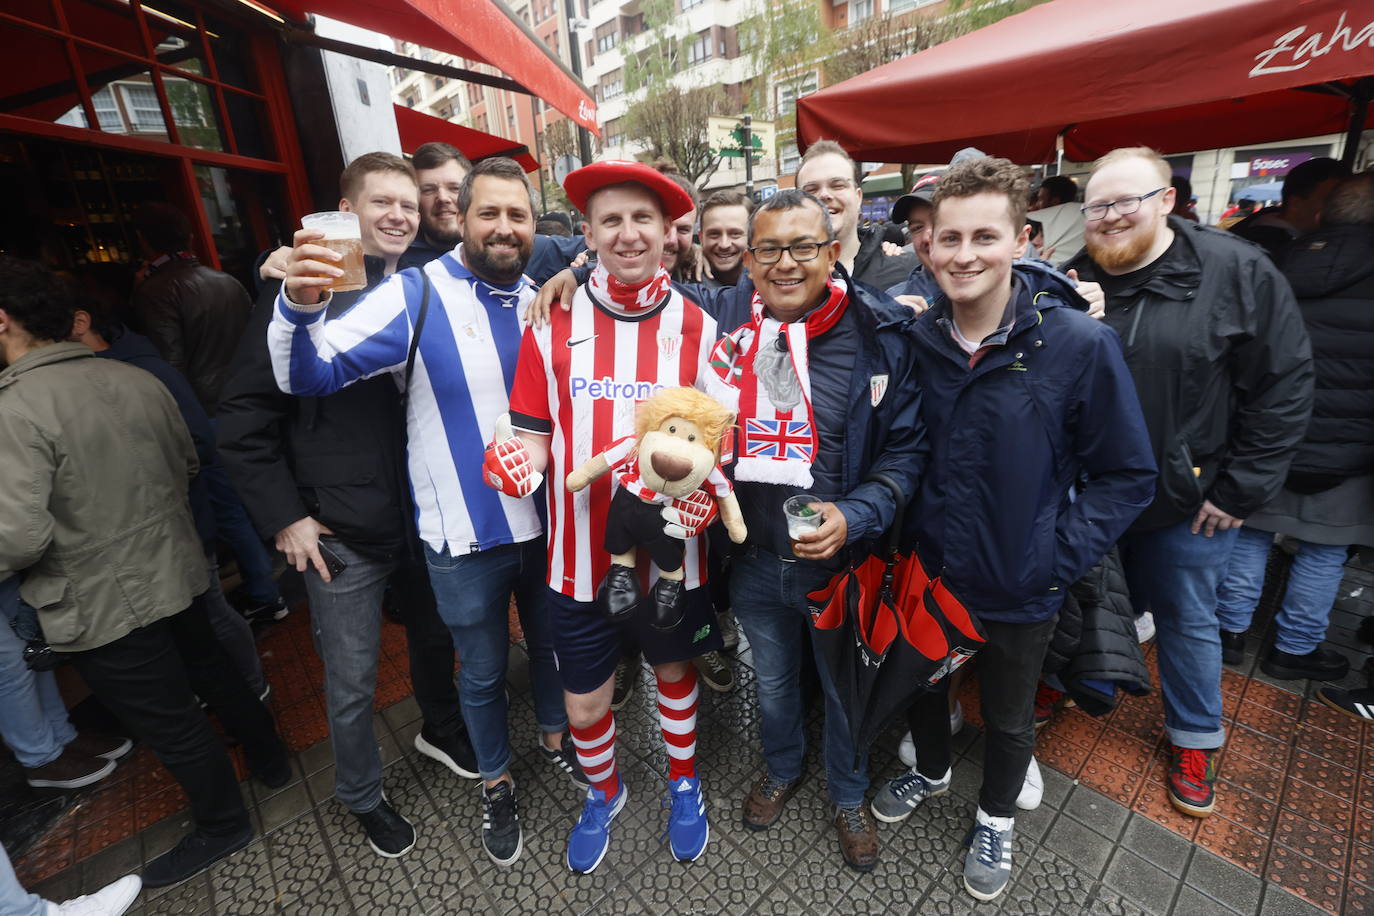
747	139
584	138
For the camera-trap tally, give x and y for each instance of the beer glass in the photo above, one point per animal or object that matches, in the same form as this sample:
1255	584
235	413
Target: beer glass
801	518
343	234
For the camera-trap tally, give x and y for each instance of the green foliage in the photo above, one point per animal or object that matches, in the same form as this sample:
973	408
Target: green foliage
969	15
781	37
672	123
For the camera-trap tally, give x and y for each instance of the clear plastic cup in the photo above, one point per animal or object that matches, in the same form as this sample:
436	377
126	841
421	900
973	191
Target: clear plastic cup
801	518
342	233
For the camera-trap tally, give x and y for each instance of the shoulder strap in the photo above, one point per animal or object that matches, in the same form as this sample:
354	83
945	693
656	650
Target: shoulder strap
419	327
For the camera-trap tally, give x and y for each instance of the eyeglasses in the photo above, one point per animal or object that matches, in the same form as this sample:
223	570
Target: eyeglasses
836	186
1125	205
800	251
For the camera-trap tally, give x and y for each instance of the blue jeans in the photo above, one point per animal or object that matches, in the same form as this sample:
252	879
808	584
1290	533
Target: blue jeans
33	718
14	900
1313	582
235	528
473	592
768	594
1177	573
346	622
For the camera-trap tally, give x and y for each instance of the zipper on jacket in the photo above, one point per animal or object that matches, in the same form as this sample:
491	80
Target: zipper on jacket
1135	322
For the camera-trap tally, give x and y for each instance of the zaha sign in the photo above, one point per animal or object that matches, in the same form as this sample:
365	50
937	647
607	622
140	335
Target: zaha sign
1287	53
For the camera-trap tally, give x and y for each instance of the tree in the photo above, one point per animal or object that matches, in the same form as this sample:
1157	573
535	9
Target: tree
882	40
672	122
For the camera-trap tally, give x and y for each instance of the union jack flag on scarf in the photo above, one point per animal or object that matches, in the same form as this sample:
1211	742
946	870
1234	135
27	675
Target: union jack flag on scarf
786	439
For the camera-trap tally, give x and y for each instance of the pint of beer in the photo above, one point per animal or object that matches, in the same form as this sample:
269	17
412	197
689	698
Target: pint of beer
801	518
343	234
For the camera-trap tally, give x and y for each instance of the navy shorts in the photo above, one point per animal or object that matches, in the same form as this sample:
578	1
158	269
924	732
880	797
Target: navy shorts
587	646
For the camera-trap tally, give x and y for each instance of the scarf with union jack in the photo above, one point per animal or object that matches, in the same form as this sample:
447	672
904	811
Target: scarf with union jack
765	363
624	298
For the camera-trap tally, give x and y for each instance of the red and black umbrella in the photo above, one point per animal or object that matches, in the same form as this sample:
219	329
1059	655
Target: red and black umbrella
886	631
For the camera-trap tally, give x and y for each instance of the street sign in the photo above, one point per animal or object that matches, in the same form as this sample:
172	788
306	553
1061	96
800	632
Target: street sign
563	166
764	192
723	137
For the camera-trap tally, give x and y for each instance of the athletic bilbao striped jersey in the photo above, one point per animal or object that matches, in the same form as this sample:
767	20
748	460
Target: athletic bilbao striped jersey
579	380
461	382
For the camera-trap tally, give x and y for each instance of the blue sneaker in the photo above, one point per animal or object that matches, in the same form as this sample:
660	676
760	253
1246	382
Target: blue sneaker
687	827
588	841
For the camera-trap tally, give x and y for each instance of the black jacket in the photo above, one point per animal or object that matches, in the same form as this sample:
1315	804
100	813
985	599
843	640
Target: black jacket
1094	650
194	315
1332	272
1221	362
339	459
873	267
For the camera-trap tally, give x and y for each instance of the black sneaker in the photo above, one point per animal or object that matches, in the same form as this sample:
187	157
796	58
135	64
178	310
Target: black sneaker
715	671
195	853
501	835
390	835
626	679
564	759
254	612
453	751
1232	647
1318	665
1357	704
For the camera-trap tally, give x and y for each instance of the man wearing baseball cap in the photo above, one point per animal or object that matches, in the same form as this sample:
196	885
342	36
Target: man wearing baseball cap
579	377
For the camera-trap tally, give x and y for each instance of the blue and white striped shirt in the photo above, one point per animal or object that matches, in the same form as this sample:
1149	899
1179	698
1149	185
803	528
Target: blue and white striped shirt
464	369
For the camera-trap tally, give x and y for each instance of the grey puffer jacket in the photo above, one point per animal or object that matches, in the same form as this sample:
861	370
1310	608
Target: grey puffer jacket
1094	650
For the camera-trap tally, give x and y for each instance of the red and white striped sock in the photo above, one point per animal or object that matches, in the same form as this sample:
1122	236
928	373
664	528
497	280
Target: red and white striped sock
596	753
677	716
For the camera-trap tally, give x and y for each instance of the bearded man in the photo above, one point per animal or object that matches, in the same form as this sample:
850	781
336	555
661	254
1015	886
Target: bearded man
1222	365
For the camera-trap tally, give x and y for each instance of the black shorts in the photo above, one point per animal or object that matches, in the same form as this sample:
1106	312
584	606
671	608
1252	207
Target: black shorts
634	523
587	646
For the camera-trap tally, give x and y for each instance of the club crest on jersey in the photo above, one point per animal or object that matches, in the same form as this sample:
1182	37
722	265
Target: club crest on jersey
877	387
668	345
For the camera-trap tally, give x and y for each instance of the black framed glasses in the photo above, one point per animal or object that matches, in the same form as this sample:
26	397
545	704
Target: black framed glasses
800	251
1123	205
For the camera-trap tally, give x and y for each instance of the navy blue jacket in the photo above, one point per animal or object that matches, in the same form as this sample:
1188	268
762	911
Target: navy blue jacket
886	437
1010	437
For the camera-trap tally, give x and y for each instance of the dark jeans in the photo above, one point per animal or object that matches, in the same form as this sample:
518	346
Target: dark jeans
1008	672
150	679
429	646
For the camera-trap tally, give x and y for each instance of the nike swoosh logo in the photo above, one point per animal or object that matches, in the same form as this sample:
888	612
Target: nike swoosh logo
573	343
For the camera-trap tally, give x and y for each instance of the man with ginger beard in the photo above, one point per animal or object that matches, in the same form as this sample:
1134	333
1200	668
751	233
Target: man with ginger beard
1222	365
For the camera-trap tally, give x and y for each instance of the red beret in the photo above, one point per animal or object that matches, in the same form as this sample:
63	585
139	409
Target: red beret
581	184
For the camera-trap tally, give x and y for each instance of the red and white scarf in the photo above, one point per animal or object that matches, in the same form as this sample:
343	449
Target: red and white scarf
778	442
627	299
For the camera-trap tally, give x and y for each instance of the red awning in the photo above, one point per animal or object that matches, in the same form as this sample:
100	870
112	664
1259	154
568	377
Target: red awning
417	128
1177	75
479	30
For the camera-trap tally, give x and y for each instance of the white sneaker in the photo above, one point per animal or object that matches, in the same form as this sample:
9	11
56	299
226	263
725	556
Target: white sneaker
1033	789
1145	628
110	900
906	751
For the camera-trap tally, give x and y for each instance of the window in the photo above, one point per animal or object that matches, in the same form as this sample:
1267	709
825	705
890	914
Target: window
445	112
510	117
144	112
790	91
410	101
474	93
691	4
698	48
107	111
482	123
607	35
613	84
440	82
789	159
859	10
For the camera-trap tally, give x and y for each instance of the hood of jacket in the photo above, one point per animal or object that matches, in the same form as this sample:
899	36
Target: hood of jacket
1330	261
43	356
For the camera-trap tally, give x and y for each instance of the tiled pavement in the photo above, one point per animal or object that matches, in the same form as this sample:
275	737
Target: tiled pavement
1292	829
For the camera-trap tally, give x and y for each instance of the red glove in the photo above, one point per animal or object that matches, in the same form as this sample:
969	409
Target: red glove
506	463
689	516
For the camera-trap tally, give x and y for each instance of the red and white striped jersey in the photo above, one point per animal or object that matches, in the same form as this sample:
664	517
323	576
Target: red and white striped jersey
579	379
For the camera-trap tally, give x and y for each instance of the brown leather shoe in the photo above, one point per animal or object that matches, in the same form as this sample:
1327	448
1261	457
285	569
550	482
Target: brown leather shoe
765	801
858	837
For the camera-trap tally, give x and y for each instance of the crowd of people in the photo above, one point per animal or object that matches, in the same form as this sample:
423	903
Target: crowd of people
1063	394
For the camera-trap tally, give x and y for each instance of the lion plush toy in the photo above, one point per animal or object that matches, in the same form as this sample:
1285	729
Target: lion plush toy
674	452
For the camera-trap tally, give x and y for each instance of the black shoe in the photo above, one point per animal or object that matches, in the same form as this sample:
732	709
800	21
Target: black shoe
501	835
195	853
277	773
1357	704
390	835
453	751
1318	665
619	593
626	679
1232	647
564	759
262	613
668	604
1366	629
